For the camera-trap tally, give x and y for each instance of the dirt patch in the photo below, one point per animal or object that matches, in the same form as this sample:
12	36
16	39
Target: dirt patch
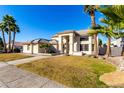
113	79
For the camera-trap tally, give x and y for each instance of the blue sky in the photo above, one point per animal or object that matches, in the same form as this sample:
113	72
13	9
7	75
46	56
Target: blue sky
45	21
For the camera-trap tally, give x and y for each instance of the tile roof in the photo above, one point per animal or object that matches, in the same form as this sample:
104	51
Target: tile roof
79	32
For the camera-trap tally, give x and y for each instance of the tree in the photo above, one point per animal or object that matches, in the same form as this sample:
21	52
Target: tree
15	30
2	28
110	12
100	42
1	44
9	26
108	31
116	14
90	10
119	11
45	46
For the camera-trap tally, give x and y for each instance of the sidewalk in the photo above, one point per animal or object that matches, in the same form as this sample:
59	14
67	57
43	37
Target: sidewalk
13	77
26	60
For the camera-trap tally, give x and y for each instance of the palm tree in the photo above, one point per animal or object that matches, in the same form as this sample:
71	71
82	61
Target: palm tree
15	30
2	28
100	42
108	31
119	11
116	13
1	44
110	12
9	24
90	9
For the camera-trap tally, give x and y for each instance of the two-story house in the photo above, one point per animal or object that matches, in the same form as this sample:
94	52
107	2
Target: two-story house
74	42
68	42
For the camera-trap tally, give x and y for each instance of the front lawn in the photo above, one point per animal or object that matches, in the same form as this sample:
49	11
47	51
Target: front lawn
72	71
12	56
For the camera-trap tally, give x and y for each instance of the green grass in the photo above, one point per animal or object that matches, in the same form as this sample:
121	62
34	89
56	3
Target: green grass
11	56
72	71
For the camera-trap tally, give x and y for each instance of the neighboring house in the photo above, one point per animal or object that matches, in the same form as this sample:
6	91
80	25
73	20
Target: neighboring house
67	42
117	42
18	45
34	46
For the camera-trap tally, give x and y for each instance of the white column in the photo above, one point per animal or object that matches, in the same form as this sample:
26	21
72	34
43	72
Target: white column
78	43
60	44
32	49
90	45
71	43
90	48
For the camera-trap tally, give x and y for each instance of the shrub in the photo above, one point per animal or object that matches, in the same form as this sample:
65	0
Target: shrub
17	50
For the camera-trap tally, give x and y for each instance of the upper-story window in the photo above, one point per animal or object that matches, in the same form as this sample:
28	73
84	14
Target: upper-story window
85	38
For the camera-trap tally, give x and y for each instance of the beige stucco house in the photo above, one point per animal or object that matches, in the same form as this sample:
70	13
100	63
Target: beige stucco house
68	42
75	42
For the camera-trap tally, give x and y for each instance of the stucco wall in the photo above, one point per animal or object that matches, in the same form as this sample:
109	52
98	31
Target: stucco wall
35	48
25	49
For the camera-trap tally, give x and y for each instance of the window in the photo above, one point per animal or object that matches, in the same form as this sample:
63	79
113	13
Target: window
81	47
92	47
84	47
28	47
85	38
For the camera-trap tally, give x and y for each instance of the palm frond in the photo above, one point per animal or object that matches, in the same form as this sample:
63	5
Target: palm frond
118	10
91	32
108	12
89	9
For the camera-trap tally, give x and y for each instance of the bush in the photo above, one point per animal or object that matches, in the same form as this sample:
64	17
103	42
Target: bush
17	50
51	51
